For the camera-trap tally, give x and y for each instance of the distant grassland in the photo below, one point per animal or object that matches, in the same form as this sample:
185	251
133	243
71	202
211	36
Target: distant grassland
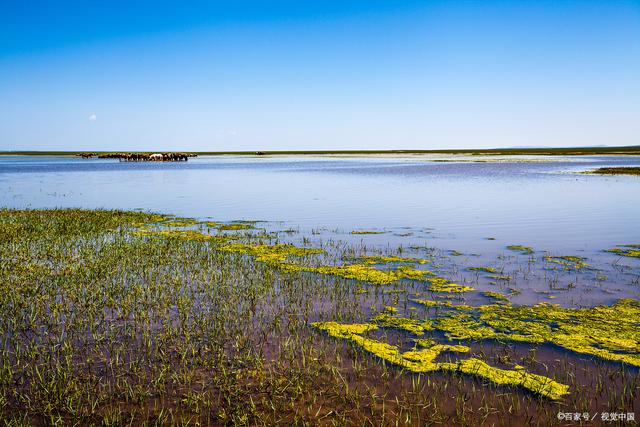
566	151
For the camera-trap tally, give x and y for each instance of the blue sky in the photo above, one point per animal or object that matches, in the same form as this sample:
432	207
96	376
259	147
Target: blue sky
258	75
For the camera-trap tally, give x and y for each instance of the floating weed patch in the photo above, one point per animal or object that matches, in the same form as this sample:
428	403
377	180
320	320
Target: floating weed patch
271	254
186	235
423	360
626	250
234	226
606	332
525	250
367	232
495	295
440	284
415	327
484	269
179	222
568	262
367	273
381	259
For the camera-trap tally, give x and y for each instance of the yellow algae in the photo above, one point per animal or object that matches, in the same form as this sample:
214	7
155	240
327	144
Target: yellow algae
179	222
495	295
367	273
272	254
440	284
522	249
344	330
423	360
611	333
485	269
430	303
410	325
519	377
568	262
184	234
626	250
381	259
234	226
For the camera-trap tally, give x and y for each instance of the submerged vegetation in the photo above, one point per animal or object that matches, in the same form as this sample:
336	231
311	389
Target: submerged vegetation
116	318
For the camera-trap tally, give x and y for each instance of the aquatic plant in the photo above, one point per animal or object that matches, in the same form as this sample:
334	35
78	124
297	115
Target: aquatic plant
626	250
526	250
440	284
367	232
607	332
485	269
423	361
382	259
569	262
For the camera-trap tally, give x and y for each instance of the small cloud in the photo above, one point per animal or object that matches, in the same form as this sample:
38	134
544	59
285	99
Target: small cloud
93	117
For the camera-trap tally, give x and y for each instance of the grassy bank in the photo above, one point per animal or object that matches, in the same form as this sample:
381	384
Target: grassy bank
565	151
120	318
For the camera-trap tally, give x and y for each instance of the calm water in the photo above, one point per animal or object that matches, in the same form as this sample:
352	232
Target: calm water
539	201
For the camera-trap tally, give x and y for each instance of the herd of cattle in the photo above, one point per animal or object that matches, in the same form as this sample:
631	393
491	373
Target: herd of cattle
141	157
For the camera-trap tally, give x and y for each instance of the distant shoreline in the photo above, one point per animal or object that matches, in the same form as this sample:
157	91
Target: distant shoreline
565	151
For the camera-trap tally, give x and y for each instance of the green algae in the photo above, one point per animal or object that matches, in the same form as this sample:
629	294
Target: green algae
525	250
423	360
485	269
626	250
568	262
440	284
366	232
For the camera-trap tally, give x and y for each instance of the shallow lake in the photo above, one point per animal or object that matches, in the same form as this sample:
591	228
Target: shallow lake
539	201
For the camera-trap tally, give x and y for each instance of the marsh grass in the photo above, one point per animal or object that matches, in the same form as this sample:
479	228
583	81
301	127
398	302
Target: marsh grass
107	318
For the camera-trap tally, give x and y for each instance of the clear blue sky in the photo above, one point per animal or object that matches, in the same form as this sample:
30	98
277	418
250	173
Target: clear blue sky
258	75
